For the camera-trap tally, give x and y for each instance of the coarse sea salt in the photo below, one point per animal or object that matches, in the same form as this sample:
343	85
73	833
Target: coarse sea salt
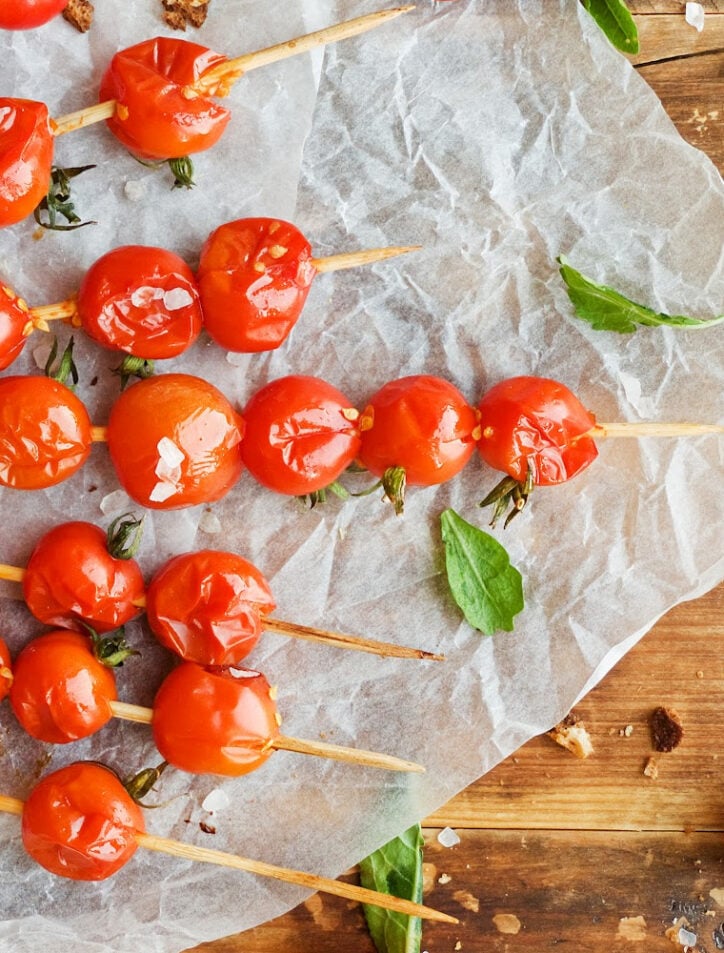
145	295
161	492
448	838
114	502
210	523
177	298
216	800
169	452
695	15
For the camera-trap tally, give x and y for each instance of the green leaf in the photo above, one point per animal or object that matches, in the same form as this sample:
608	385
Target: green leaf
483	583
395	869
615	20
606	309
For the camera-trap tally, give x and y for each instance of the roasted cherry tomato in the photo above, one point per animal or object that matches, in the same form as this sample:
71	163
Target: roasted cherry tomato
208	606
254	277
80	822
61	691
174	441
27	14
6	670
45	432
141	300
26	157
155	118
301	434
210	721
72	579
15	326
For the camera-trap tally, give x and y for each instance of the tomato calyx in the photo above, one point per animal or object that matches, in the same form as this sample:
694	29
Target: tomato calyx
510	493
143	782
182	168
317	497
132	366
110	649
394	483
58	201
65	369
124	536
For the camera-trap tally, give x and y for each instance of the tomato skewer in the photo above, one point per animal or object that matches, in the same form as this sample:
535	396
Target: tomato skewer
28	14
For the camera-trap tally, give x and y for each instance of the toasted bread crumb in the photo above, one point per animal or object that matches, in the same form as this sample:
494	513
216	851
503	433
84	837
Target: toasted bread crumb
179	13
80	14
651	768
572	735
666	729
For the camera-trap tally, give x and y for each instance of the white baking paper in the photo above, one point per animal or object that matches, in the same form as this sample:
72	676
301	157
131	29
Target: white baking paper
497	135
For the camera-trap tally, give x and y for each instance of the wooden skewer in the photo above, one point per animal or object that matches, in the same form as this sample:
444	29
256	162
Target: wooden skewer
61	311
355	258
83	117
206	855
651	429
370	759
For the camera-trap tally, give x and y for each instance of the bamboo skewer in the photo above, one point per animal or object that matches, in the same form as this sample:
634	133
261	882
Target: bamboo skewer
355	258
370	759
651	429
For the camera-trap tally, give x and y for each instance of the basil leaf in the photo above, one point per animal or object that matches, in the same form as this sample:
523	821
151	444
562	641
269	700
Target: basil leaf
606	309
615	20
395	869
483	583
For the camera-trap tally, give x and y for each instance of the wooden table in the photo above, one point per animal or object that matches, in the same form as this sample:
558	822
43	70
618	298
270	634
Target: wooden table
589	856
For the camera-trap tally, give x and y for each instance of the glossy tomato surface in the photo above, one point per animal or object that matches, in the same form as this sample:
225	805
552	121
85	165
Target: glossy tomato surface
208	606
210	721
15	326
301	434
536	422
6	670
174	441
420	423
80	822
60	691
154	119
27	14
26	157
142	300
254	277
45	432
71	578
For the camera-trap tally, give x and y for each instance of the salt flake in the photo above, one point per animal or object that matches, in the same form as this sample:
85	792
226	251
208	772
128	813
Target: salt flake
161	492
448	838
216	800
145	295
177	298
695	16
115	501
210	523
170	452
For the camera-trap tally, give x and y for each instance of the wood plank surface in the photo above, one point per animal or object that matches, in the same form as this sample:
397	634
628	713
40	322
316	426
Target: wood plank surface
591	856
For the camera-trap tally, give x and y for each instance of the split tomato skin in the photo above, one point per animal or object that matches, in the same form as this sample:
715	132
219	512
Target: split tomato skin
26	157
210	721
60	691
28	14
15	326
45	432
301	434
80	822
6	670
422	424
254	276
537	422
71	579
208	606
141	300
174	441
154	119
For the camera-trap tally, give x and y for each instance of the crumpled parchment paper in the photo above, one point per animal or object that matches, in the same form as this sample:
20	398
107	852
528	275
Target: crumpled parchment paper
497	135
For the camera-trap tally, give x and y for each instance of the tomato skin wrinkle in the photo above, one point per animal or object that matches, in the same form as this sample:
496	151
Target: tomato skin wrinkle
15	326
26	157
154	120
298	439
254	278
28	14
210	721
421	423
537	422
6	676
60	691
208	606
80	822
174	441
141	300
71	579
45	432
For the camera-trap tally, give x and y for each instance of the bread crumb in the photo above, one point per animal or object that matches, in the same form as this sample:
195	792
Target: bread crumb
444	879
666	729
651	768
572	735
79	13
179	13
627	731
507	923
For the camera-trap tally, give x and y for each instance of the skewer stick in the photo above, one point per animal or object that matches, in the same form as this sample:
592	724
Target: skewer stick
370	759
83	117
11	573
61	311
652	429
365	257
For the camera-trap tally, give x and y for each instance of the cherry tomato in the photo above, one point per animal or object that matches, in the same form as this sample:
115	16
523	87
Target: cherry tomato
210	721
174	441
538	423
80	822
154	119
72	578
208	606
60	691
15	326
6	670
27	14
26	157
45	432
254	277
301	434
141	300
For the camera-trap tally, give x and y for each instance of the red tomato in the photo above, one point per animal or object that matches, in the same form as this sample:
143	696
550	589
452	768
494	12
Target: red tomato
26	157
215	722
6	671
301	434
141	300
45	432
15	326
154	119
80	822
27	14
208	606
174	441
254	277
71	578
60	691
536	422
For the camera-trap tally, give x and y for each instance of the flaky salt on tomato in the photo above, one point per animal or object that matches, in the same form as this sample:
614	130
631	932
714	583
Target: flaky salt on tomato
26	157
